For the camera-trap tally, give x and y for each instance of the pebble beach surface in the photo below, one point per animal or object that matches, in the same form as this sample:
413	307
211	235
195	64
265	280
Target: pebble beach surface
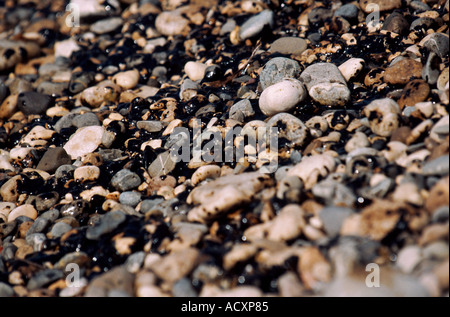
92	202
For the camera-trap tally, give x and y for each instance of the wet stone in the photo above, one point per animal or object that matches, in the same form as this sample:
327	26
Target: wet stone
31	102
46	201
281	97
431	71
150	126
414	92
439	166
396	23
437	43
108	223
59	229
53	158
125	180
6	290
277	69
403	72
84	141
74	208
382	5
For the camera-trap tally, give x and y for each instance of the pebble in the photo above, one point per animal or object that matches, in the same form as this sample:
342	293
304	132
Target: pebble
414	92
431	71
26	210
85	120
289	46
241	110
31	102
278	69
438	166
312	167
150	126
86	140
195	70
396	23
86	173
171	23
59	229
175	265
125	180
293	129
408	258
368	6
130	198
183	288
437	43
351	68
6	290
383	115
443	79
255	25
107	25
326	85
348	11
333	217
204	173
403	72
8	107
127	80
281	97
43	278
162	165
65	48
107	223
117	281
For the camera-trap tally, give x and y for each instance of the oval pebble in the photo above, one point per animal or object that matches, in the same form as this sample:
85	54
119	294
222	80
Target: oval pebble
86	173
86	140
282	97
26	210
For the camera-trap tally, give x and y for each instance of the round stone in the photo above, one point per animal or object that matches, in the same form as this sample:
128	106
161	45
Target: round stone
281	97
278	69
289	45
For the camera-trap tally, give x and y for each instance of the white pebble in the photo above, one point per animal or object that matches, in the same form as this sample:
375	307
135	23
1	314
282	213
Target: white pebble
86	140
282	97
195	70
126	80
86	173
351	68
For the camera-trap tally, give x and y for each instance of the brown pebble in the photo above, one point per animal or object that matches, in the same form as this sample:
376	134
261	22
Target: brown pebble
23	228
401	134
439	196
313	268
415	91
403	71
23	251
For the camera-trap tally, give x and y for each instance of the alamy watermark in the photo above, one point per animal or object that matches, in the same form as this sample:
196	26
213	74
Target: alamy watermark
73	18
373	278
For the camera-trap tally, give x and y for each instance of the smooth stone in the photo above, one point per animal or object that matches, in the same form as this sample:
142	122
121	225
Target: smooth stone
162	165
348	11
282	97
383	115
424	23
107	223
334	193
319	15
437	43
403	72
31	102
52	159
86	173
130	198
9	189
52	89
431	71
107	25
195	70
125	180
74	208
205	172
86	140
8	107
43	278
65	48
36	240
312	167
85	120
255	25
443	79
59	229
408	258
39	225
368	6
4	91
135	262
278	69
326	85
171	23
64	171
396	23
26	210
351	68
414	92
289	45
294	129
46	201
241	110
438	166
117	282
127	80
150	126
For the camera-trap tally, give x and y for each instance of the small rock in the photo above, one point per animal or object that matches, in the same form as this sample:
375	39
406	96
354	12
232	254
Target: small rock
255	25
278	69
241	110
162	165
431	70
115	281
408	258
281	97
326	85
127	80
419	6
319	15
239	253
333	217
289	285
85	120
171	23
107	223
368	6
31	102
130	198
351	68
403	72
205	172
195	70
26	210
437	43
348	11
184	288
383	115
312	167
46	201
43	278
125	180
289	46
443	79
65	48
8	107
86	140
9	190
396	23
86	173
135	261
176	265
414	92
59	229
292	128
6	290
150	126
107	25
439	166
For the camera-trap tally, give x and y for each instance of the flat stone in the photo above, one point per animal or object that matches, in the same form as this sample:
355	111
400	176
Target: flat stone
31	102
130	198
86	173
414	92
6	290
115	281
150	126
326	85
408	258
162	165
107	223
86	140
43	278
312	167
282	97
176	265
171	23
59	229
107	25
85	120
125	180
241	110
278	69
348	11
127	80
52	159
403	72
289	46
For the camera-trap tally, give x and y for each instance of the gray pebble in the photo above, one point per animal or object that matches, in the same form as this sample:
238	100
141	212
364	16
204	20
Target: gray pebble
6	290
431	71
347	11
43	278
19	85
65	122
85	120
54	158
3	91
419	6
439	166
294	129
65	171
319	15
80	81
333	217
184	288
32	102
108	223
39	225
241	110
130	198
125	180
424	22
148	204
52	89
278	69
162	165
36	240
106	25
441	215
9	251
46	200
74	208
150	126
289	45
135	261
334	193
253	26
437	250
438	43
59	229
